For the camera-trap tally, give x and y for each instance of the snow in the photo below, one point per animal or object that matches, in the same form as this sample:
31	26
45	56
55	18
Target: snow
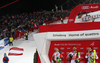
29	47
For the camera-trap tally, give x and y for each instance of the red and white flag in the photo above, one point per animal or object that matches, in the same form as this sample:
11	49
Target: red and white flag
15	51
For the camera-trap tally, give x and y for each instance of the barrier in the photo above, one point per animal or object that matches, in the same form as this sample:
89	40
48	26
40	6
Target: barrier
4	42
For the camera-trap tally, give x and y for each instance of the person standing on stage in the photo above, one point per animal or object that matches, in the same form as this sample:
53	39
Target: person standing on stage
56	55
90	55
74	56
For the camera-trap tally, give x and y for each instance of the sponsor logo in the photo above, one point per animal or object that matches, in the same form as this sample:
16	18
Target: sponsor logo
85	7
68	48
62	48
94	7
56	44
95	48
81	48
90	7
92	44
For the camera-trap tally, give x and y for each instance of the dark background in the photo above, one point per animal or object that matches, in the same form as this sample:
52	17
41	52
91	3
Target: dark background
23	6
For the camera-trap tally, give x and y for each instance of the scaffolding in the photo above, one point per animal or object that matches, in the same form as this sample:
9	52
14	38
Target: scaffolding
70	4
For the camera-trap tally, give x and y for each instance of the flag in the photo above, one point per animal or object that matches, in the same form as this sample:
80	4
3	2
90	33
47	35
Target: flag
15	51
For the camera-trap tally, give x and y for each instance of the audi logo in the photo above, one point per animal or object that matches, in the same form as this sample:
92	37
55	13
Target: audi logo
85	7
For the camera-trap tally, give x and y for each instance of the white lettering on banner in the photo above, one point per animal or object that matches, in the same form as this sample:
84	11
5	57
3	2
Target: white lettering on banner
94	7
62	48
56	44
75	44
92	44
81	48
68	48
89	7
85	7
95	48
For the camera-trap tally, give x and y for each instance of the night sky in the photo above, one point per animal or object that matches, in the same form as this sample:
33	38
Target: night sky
28	6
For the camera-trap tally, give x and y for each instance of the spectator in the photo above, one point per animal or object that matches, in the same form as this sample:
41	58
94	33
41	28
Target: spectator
9	24
11	41
5	59
26	35
62	20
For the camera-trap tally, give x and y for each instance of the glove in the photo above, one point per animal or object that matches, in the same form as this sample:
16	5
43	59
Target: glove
70	55
77	60
58	59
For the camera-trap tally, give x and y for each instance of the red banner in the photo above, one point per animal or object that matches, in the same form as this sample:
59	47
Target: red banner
82	47
80	8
